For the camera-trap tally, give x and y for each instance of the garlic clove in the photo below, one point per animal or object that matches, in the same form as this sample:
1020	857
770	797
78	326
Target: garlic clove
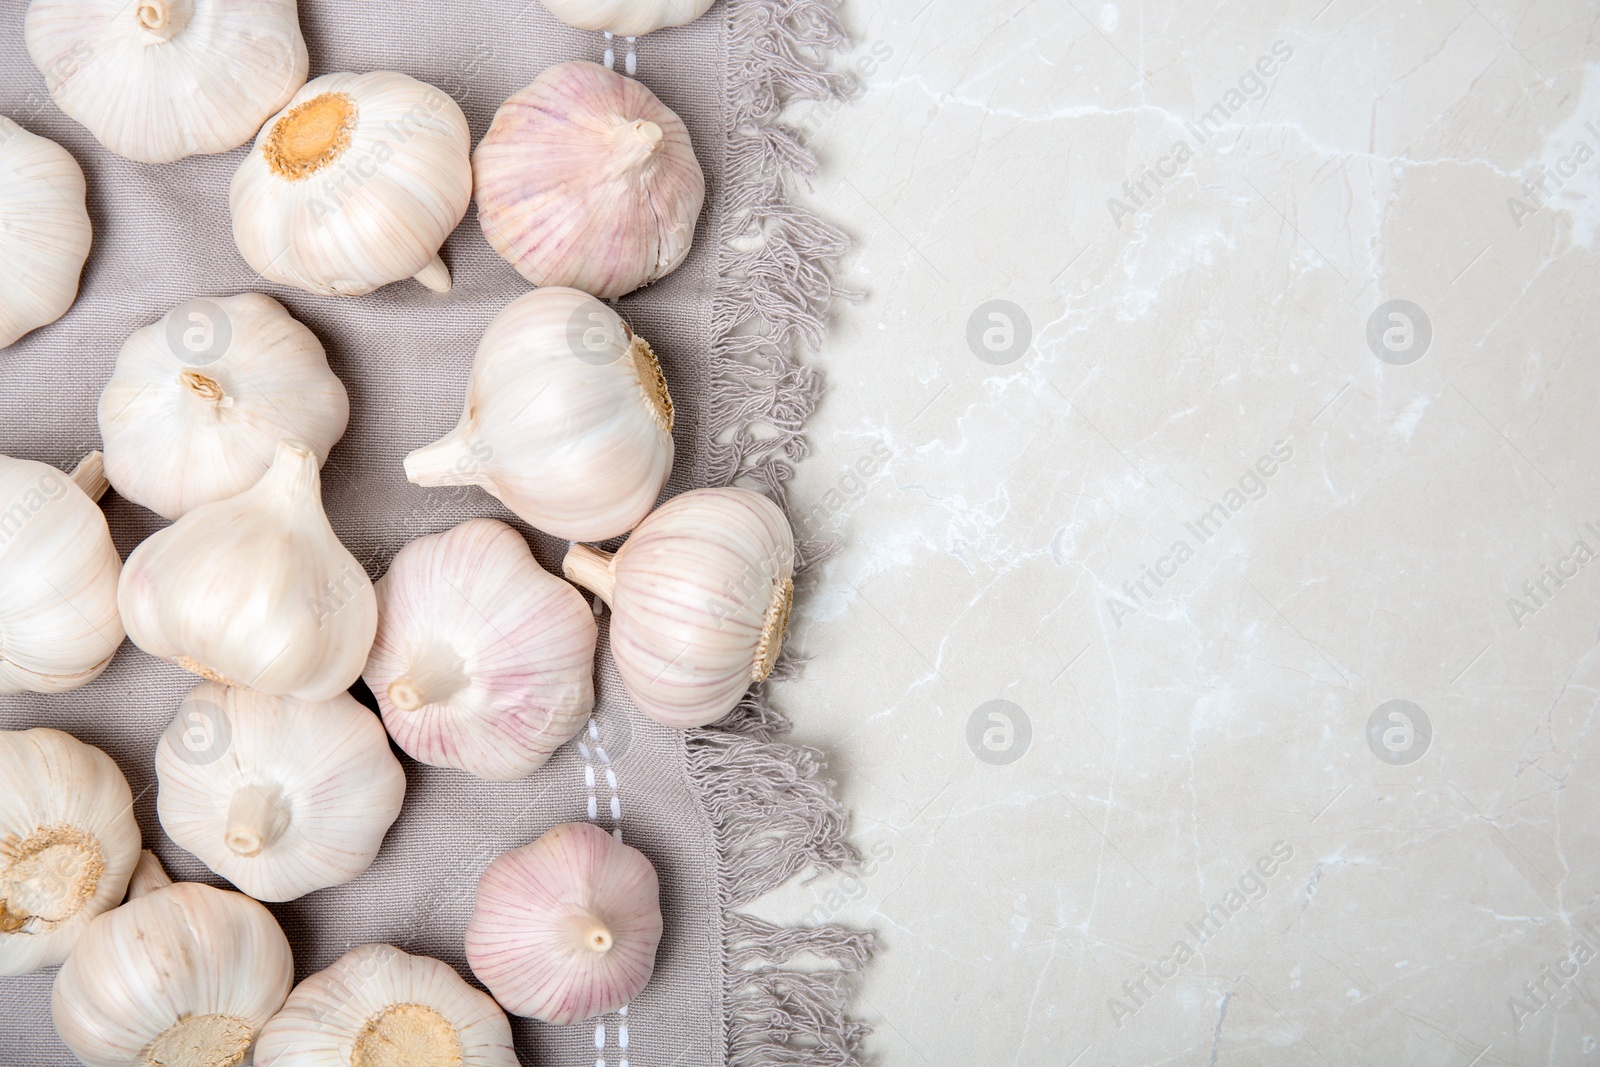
158	80
483	661
379	1007
59	627
701	593
199	400
626	18
68	844
566	928
255	590
567	420
44	230
354	185
183	975
279	796
586	179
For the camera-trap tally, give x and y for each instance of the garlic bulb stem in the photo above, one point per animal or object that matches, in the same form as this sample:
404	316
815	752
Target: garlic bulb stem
435	275
593	569
448	461
202	385
163	19
638	141
591	931
148	876
435	675
90	475
254	821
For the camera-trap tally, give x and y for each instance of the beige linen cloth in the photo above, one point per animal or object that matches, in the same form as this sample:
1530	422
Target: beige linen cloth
724	813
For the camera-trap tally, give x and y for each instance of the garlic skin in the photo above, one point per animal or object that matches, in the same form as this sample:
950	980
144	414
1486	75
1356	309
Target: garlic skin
566	928
183	975
701	594
44	230
158	80
284	798
568	421
626	18
354	185
483	662
380	1007
255	590
59	626
199	400
586	179
68	844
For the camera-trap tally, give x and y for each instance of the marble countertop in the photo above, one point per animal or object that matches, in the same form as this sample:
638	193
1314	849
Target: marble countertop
1211	660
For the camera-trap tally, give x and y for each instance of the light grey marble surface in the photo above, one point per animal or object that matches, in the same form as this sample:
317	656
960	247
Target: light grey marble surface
1199	505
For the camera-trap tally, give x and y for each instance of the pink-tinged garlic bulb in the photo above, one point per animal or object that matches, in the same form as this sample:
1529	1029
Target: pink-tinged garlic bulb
68	844
380	1007
566	928
183	975
586	179
700	595
484	661
567	421
280	796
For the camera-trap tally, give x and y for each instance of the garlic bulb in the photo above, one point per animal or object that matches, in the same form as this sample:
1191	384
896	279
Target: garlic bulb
255	590
566	928
701	593
483	661
380	1007
567	419
200	399
44	230
68	844
182	975
279	796
586	179
354	185
58	577
626	18
158	80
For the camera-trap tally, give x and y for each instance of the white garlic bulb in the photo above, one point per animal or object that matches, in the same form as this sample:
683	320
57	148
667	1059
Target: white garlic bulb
567	420
626	18
700	595
566	928
586	179
58	577
183	975
158	80
255	590
483	660
200	399
44	230
354	185
279	796
68	844
380	1007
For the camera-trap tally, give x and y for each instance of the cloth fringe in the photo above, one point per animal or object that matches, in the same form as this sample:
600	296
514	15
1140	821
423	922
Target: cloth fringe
773	812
